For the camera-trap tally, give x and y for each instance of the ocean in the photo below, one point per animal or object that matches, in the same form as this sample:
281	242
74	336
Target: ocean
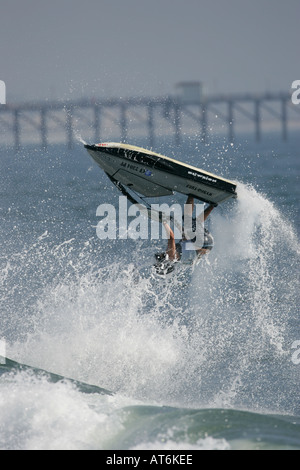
119	359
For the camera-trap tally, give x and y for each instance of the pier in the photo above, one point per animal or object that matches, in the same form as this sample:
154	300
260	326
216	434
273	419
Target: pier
125	119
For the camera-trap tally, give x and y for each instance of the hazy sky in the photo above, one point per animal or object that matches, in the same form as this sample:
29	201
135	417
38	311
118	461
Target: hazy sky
74	48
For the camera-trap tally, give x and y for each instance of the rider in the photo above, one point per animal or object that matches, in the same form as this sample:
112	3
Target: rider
187	250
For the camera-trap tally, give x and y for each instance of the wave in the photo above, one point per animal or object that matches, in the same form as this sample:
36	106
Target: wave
40	410
7	366
217	337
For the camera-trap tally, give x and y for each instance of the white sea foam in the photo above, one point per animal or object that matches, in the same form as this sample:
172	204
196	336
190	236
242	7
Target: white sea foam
208	443
183	341
36	414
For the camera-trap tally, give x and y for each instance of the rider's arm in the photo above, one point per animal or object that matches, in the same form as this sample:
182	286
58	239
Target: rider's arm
203	216
208	211
171	250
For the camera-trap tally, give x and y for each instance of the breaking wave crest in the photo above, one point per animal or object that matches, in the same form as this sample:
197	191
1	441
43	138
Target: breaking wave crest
219	336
